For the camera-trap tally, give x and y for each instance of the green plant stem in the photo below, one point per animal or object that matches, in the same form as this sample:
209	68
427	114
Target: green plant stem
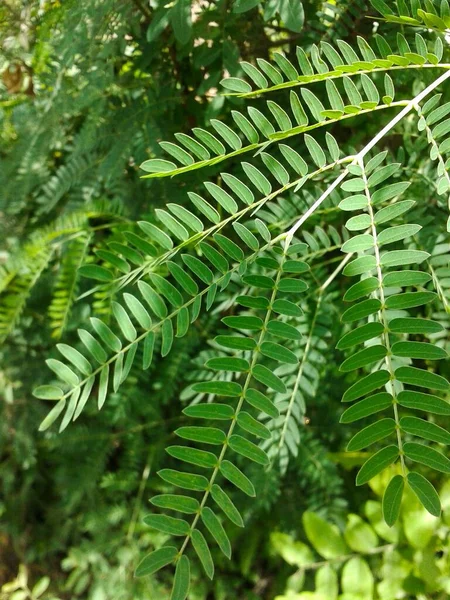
248	379
382	317
290	84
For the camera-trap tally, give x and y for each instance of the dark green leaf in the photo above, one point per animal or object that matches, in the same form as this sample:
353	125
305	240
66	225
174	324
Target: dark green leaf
392	499
425	492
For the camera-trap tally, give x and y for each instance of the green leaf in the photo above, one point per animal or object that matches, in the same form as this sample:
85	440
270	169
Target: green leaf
359	535
248	423
235	84
107	336
202	550
103	386
155	234
356	202
223	501
248	449
324	537
124	321
358	243
376	463
168	290
201	458
261	402
421	350
425	430
361	310
317	154
186	481
421	378
205	435
182	579
283	330
364	357
228	363
63	371
357	580
397	233
278	352
155	561
292	14
362	264
410	325
96	272
371	434
139	312
246	236
424	402
168	525
409	300
366	407
220	412
220	388
153	299
183	504
359	222
427	456
229	247
365	385
217	531
292	286
425	492
237	478
360	335
388	213
269	379
405	278
286	307
403	257
53	415
48	392
392	499
244	323
92	346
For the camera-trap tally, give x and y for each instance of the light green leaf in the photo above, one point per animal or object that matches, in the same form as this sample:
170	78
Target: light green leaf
324	537
183	504
397	233
360	335
358	243
359	535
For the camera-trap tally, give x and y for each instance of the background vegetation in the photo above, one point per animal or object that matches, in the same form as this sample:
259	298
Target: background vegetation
88	90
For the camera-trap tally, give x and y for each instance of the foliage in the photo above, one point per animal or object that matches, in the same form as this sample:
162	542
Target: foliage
284	247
